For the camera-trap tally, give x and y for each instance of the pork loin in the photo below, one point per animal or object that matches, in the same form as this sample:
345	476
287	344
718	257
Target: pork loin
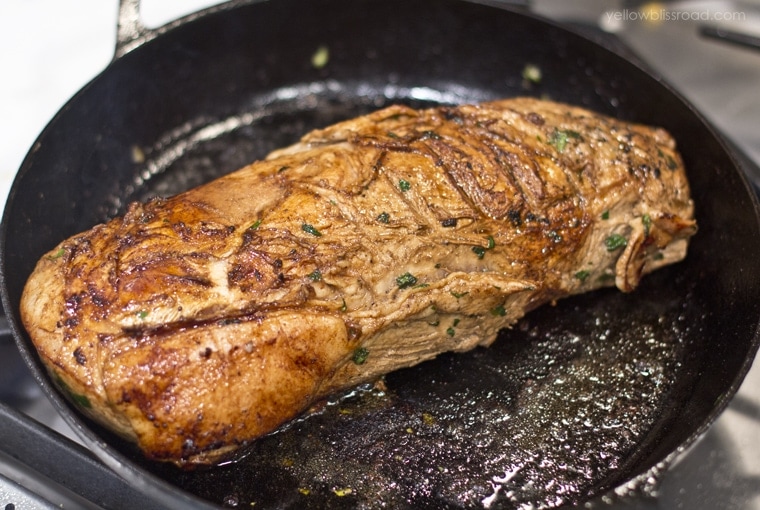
194	324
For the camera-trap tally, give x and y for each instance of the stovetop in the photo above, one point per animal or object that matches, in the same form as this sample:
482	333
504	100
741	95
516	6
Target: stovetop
52	48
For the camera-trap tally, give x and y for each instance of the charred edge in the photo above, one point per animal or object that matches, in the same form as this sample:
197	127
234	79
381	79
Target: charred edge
528	181
461	174
391	143
79	356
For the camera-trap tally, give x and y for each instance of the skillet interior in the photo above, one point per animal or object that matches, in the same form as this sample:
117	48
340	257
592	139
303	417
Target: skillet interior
574	401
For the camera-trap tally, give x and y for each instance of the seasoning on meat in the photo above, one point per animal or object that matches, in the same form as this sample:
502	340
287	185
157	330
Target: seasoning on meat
194	324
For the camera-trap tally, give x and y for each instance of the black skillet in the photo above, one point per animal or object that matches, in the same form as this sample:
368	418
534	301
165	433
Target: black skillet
597	393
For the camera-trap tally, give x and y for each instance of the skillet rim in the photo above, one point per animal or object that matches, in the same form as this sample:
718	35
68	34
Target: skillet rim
113	457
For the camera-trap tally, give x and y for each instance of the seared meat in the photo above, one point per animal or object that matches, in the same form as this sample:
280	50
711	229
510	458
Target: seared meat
195	324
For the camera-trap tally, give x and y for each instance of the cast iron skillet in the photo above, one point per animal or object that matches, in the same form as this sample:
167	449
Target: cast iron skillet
579	399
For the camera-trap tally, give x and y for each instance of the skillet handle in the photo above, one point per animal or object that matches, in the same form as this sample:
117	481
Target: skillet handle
130	31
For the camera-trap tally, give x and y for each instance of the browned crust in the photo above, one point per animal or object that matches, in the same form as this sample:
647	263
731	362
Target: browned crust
197	323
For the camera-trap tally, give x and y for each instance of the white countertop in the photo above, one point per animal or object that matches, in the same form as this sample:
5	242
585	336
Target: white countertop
51	49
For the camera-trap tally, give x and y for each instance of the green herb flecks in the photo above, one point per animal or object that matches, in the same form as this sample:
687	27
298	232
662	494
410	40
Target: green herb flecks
58	254
450	330
320	57
81	400
255	225
499	311
142	314
559	138
647	221
383	217
315	275
459	294
480	251
615	242
532	73
309	229
582	275
404	185
360	355
606	214
78	398
406	280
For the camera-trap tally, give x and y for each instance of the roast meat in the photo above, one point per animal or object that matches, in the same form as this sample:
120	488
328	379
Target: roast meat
194	324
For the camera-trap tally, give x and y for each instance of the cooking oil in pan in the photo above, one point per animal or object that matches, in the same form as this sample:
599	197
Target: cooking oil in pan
558	409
